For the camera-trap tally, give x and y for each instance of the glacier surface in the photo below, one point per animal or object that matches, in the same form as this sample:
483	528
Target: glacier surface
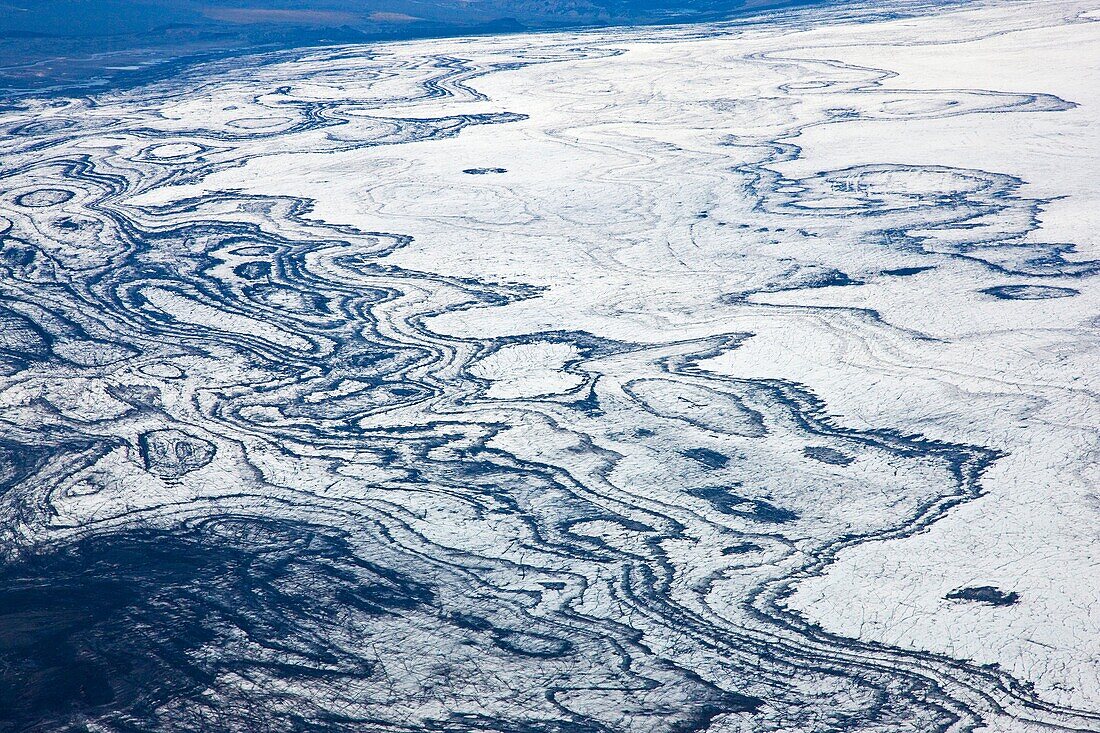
731	377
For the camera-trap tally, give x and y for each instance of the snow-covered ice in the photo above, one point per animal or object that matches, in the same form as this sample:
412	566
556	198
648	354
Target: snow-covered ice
732	377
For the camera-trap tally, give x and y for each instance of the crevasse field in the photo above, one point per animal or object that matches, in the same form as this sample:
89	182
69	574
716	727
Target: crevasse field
734	377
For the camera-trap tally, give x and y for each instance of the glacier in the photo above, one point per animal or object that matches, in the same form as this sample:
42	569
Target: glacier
716	377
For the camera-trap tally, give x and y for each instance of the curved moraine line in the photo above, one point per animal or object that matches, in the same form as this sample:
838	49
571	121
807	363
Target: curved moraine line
246	486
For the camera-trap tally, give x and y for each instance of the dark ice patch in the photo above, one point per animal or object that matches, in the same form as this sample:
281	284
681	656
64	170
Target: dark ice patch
113	628
755	509
706	456
1029	292
827	455
906	271
254	270
987	594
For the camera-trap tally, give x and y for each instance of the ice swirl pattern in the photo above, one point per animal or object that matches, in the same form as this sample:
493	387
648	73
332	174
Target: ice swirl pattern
631	380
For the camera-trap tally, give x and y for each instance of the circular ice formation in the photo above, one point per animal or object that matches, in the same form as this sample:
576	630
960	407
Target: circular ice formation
173	151
43	197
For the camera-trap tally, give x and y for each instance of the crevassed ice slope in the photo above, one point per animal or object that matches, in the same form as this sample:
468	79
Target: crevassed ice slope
731	378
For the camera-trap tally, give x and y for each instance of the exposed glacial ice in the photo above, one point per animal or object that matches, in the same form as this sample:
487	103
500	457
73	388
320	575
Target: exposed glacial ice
733	377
